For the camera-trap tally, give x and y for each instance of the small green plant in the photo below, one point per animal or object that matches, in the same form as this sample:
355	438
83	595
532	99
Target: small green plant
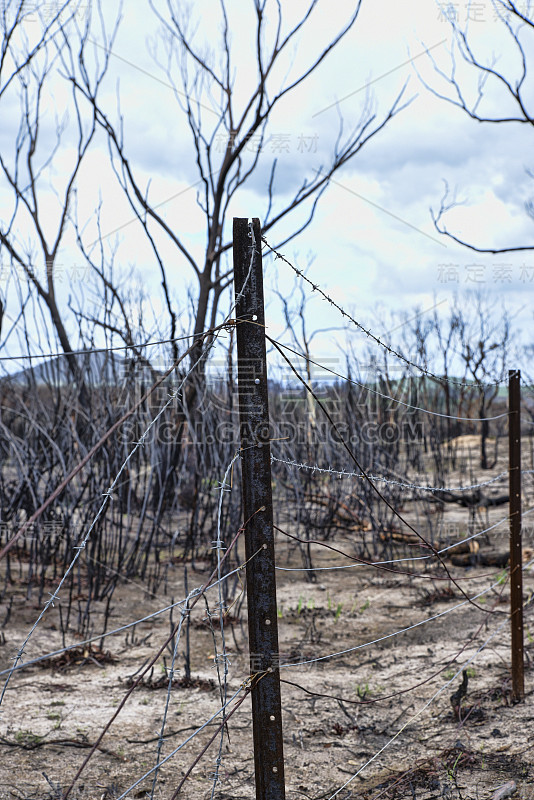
471	672
449	674
452	770
362	690
501	577
311	604
280	612
338	611
300	604
28	738
530	638
55	717
361	609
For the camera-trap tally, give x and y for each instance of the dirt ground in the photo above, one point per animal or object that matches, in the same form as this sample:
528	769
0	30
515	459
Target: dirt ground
382	712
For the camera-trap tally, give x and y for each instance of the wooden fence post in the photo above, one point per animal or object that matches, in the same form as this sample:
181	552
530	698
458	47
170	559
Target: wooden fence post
258	511
516	556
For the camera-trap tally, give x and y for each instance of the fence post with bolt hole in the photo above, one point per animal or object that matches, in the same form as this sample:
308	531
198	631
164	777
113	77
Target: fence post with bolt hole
258	511
516	556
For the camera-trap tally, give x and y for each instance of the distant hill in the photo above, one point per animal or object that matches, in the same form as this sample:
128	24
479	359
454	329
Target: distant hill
97	368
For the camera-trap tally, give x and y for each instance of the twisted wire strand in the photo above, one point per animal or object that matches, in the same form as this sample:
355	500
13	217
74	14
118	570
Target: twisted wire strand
347	474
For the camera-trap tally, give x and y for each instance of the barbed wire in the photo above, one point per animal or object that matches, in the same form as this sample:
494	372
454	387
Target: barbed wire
388	397
108	493
370	334
246	686
184	612
223	683
346	474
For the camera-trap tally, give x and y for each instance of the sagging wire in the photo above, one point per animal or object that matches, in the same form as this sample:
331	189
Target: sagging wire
387	397
400	691
395	633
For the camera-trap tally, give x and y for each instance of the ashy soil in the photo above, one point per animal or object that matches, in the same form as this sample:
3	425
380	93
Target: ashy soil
382	712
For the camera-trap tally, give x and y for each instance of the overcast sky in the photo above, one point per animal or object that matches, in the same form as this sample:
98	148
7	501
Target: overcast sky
372	240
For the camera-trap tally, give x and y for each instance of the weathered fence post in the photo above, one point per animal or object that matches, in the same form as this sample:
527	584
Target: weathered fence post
258	511
516	560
